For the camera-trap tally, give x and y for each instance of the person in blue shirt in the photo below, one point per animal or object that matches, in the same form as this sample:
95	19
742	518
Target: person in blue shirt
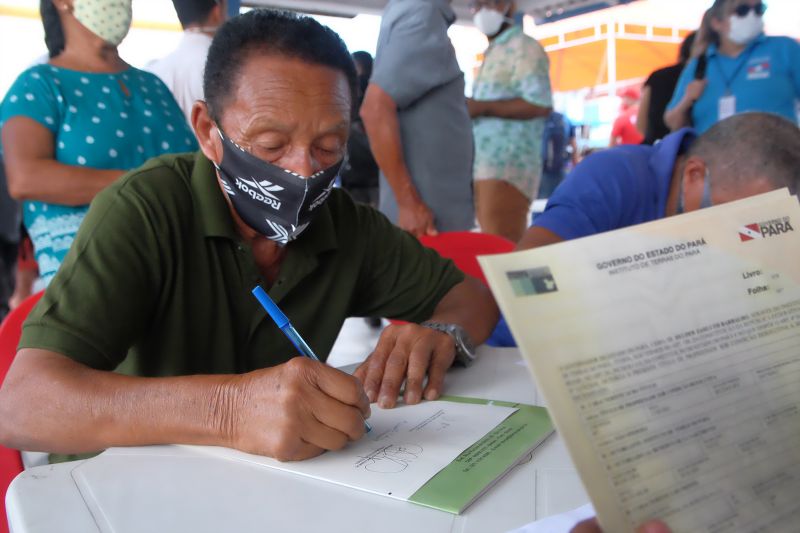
744	155
74	125
559	150
745	70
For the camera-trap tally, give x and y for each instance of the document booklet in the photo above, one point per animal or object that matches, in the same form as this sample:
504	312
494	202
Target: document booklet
442	454
669	357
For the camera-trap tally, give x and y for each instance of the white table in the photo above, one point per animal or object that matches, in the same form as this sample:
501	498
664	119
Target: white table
176	489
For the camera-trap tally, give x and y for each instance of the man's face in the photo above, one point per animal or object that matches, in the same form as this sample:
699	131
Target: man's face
293	114
724	188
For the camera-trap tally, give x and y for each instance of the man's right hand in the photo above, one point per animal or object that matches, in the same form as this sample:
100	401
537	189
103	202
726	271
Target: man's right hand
297	410
416	218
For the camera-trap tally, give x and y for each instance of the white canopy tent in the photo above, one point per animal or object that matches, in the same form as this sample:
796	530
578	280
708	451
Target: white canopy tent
541	10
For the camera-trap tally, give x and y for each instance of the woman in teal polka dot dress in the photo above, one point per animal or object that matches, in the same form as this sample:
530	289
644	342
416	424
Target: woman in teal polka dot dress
72	126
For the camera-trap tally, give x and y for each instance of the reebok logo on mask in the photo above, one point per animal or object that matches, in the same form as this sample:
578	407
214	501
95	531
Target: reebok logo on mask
261	191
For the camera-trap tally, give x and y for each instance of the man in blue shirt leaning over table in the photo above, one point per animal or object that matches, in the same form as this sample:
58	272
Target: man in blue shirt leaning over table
741	156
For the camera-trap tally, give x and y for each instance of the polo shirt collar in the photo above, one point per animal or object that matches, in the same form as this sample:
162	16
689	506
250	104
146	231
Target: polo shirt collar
215	217
320	236
302	255
216	220
662	162
446	9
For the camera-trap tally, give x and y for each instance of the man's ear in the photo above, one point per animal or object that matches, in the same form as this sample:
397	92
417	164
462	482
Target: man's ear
693	176
206	131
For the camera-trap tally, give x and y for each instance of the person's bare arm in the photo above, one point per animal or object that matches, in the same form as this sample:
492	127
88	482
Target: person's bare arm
51	403
23	286
512	108
644	109
679	116
33	173
409	352
535	237
379	114
470	305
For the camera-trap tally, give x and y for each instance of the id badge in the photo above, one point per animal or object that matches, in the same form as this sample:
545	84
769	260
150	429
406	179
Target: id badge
727	106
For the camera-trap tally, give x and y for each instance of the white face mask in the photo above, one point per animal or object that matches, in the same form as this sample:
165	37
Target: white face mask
745	29
108	19
489	21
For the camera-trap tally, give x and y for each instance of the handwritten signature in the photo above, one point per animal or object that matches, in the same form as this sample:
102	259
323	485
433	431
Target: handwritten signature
391	459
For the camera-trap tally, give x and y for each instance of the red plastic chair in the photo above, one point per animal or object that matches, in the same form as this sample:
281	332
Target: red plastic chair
464	247
10	331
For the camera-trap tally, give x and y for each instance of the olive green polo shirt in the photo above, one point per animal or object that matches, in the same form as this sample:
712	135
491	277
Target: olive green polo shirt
158	273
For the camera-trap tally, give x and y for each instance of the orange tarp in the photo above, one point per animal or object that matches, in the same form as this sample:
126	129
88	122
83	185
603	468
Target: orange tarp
584	65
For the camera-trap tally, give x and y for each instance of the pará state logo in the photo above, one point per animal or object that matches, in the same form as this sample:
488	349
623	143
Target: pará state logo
763	230
758	69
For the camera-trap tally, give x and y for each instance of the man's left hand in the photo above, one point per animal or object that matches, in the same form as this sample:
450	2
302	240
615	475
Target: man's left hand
406	353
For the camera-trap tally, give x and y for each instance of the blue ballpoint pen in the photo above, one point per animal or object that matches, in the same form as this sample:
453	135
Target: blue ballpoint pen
287	328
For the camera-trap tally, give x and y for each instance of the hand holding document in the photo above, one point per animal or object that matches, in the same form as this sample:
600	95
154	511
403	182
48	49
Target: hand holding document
669	356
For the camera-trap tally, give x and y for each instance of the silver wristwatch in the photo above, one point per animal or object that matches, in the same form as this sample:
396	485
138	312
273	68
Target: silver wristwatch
465	349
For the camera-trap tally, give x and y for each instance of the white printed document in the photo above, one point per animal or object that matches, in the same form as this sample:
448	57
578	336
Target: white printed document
669	356
442	454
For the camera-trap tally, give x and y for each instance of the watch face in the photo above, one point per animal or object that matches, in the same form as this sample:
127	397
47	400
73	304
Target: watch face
464	346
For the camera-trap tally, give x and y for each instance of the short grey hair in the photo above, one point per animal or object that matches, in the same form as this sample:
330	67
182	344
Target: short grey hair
750	146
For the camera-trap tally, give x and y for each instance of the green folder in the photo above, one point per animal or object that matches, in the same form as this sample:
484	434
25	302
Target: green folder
481	465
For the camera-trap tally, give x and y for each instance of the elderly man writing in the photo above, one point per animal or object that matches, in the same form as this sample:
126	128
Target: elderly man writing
158	281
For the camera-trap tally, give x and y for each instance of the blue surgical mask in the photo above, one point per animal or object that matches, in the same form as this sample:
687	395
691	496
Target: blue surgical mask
705	201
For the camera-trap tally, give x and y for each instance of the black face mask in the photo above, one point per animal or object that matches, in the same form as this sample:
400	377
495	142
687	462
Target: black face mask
275	202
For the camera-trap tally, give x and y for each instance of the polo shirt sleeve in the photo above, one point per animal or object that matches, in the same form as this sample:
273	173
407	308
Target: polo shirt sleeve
105	292
793	61
415	56
590	200
687	75
33	96
531	77
399	278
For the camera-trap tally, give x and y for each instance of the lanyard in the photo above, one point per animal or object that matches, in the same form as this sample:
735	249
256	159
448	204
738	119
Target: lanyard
728	81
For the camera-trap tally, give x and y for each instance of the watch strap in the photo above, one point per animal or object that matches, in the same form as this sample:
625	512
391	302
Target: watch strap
465	351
